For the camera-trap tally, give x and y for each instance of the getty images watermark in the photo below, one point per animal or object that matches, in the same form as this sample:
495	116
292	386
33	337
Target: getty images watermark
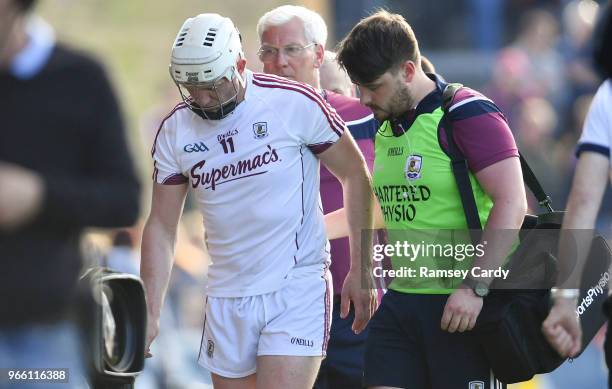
441	252
531	259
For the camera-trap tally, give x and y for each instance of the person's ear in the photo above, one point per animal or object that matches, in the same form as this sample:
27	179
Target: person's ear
408	70
319	55
241	65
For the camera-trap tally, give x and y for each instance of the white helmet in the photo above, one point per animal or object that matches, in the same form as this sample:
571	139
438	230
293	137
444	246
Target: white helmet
206	50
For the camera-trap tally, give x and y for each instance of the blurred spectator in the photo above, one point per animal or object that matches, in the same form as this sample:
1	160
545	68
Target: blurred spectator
427	66
538	38
578	21
64	165
535	126
508	86
530	66
333	77
123	256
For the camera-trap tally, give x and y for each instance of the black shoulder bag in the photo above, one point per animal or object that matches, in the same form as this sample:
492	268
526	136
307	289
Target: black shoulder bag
509	325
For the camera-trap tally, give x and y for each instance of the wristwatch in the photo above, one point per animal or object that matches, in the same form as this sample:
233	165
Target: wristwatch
481	289
564	293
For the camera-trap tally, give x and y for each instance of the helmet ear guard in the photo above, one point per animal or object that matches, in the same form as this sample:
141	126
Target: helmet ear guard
206	50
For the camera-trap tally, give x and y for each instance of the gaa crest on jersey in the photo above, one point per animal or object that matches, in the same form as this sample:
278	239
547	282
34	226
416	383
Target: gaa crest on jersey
195	147
414	163
260	130
210	348
476	385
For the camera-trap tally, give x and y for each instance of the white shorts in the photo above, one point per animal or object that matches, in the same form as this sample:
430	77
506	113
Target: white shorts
294	320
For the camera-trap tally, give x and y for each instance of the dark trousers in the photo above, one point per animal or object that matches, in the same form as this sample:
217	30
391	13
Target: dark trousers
406	348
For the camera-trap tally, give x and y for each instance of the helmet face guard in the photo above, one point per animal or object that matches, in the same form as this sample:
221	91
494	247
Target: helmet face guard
220	89
205	53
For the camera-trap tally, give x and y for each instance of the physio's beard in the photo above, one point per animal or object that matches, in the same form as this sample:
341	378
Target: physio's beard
401	102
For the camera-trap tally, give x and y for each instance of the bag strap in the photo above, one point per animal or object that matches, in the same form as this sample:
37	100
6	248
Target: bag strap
461	171
460	167
534	185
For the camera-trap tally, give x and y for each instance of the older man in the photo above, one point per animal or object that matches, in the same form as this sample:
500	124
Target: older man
293	46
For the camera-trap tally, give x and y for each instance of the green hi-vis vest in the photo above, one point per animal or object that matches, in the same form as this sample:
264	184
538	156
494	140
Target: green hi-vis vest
420	202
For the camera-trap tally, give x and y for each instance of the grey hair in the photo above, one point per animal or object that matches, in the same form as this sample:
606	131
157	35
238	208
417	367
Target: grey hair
315	29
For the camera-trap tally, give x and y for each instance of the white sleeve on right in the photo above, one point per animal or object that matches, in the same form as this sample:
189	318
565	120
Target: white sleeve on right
597	132
166	169
322	126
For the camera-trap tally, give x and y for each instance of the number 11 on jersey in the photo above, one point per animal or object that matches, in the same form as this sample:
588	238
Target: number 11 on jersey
227	142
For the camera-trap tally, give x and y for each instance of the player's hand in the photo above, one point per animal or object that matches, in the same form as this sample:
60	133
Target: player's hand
562	328
363	298
152	332
21	195
461	310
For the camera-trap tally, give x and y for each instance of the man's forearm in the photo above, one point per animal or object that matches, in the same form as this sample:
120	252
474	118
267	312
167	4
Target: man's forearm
500	234
575	240
574	247
588	187
156	265
337	225
358	199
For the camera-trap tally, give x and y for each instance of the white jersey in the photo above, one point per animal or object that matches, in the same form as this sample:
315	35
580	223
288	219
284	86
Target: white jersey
597	133
255	178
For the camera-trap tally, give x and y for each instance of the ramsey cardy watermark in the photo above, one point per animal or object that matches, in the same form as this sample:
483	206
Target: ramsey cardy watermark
413	251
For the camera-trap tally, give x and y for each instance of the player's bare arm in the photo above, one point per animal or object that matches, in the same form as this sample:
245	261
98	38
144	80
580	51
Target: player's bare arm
337	225
561	328
345	161
158	243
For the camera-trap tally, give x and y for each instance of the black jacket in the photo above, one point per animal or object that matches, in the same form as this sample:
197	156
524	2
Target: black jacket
65	124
